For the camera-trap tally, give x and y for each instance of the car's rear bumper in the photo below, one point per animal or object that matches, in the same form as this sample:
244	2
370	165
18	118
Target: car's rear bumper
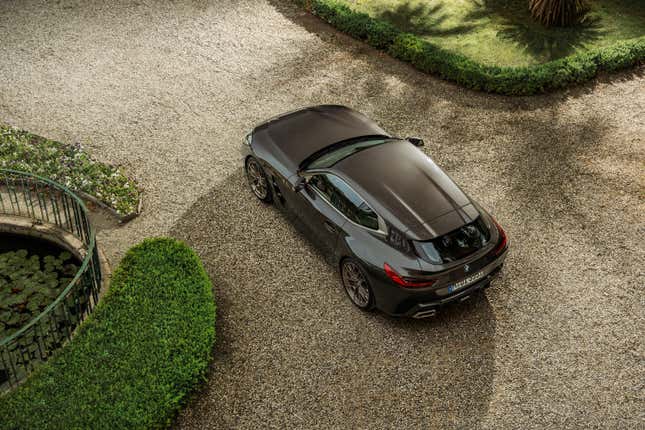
428	309
405	302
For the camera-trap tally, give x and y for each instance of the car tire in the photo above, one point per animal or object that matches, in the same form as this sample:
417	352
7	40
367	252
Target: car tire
356	284
258	180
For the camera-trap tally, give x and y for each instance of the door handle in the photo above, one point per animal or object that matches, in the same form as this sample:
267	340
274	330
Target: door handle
330	227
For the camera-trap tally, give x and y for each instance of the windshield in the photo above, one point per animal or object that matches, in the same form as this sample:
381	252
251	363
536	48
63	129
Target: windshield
333	154
457	244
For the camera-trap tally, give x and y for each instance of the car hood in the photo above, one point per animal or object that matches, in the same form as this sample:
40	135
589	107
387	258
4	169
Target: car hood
287	140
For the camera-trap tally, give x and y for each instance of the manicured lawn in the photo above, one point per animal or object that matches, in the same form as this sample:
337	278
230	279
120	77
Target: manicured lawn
502	32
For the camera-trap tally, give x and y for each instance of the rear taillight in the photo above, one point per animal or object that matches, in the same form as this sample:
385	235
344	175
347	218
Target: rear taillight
501	244
405	282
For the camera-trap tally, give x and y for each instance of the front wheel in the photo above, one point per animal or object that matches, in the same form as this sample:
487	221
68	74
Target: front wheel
258	180
356	284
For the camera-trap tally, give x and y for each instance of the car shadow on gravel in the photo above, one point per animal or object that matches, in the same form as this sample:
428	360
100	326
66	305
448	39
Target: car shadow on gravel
292	350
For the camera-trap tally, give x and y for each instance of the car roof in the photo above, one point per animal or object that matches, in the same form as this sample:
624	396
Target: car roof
407	189
289	139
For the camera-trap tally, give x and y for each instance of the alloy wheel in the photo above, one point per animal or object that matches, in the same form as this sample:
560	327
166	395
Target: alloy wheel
257	180
356	284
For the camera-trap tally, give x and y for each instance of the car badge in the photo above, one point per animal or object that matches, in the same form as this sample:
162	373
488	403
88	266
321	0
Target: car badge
467	268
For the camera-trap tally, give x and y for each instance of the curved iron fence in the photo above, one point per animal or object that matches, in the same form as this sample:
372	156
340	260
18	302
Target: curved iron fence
45	202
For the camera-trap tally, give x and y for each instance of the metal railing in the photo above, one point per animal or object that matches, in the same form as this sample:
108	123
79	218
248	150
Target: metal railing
45	202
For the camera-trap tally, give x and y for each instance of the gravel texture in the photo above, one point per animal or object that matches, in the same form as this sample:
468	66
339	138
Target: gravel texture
168	89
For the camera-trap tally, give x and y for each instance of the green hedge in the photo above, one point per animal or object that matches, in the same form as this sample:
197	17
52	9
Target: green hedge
136	357
455	67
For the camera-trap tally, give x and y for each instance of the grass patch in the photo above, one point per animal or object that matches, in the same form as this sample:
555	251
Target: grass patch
502	32
135	358
69	165
457	67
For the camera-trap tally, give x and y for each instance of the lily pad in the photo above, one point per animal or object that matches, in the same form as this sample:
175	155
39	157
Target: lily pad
28	283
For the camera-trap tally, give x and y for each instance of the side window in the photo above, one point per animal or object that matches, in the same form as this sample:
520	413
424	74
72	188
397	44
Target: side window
322	184
345	199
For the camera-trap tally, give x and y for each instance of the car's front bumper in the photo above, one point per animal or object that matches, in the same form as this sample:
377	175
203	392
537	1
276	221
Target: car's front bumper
406	302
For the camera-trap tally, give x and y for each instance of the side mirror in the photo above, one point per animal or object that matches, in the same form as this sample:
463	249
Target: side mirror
416	141
299	185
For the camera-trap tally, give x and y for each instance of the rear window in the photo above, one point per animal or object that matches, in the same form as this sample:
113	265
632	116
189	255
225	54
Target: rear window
457	244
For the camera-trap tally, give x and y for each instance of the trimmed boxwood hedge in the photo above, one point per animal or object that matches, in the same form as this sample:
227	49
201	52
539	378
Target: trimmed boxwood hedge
455	67
136	357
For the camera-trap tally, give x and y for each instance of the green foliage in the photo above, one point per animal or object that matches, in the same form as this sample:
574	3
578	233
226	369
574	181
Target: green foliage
557	12
503	32
455	67
28	284
135	358
69	165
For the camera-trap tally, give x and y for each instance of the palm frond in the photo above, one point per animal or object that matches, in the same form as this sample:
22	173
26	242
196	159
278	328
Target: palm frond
557	12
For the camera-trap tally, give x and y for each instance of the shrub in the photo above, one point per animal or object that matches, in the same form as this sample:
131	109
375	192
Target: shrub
557	12
135	358
455	67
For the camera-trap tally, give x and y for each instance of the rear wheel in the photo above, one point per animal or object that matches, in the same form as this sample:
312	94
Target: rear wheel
258	180
356	284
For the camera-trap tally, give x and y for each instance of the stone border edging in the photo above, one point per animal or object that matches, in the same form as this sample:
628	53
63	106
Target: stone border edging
121	218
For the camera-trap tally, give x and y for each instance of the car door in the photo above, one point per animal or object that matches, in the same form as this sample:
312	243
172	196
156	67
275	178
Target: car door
324	221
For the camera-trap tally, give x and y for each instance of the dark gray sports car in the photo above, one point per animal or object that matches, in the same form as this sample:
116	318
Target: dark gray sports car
407	240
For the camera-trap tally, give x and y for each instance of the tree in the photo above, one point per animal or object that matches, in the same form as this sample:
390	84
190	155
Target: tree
557	12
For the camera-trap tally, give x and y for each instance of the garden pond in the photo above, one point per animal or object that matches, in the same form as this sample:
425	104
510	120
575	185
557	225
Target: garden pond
33	273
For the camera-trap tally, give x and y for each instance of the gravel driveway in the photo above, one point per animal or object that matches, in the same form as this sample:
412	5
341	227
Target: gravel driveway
168	89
